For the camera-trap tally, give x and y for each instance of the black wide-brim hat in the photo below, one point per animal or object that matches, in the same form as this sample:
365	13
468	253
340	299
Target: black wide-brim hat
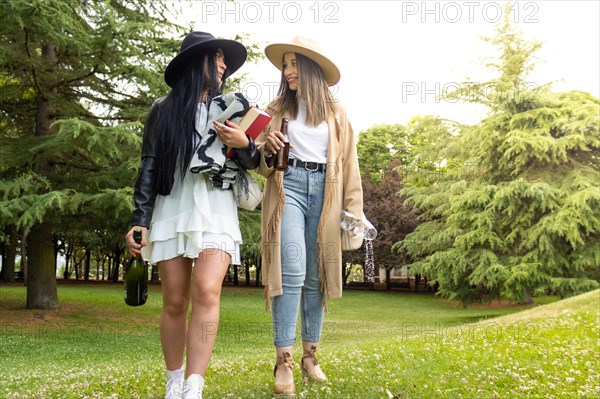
198	43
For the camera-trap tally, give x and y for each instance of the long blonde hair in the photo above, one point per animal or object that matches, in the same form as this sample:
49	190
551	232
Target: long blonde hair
312	89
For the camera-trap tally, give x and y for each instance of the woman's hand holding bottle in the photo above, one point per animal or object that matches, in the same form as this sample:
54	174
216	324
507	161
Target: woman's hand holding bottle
362	228
133	247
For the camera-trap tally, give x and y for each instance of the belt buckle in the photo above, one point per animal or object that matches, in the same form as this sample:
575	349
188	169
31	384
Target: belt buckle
306	166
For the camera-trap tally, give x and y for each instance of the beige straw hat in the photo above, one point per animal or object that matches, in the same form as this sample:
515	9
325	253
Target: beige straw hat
308	48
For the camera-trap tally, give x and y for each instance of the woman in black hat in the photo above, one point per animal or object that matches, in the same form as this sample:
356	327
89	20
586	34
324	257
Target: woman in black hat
184	217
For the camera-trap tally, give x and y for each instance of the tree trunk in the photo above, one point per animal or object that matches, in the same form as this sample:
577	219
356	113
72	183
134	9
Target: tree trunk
154	275
236	280
24	258
258	271
86	269
247	275
106	270
117	262
41	277
417	282
345	273
4	272
67	274
388	279
76	267
8	256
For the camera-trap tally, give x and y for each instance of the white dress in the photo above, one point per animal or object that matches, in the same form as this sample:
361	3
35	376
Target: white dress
194	217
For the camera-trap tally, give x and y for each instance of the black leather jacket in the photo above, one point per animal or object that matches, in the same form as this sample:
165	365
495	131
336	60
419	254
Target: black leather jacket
144	195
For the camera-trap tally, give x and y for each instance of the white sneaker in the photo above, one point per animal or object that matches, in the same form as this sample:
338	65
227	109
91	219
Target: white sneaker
193	387
174	388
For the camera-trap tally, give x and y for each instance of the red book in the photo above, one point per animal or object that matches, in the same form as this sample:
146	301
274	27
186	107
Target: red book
253	123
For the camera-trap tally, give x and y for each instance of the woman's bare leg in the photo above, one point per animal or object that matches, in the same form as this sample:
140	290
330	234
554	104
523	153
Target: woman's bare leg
175	282
207	279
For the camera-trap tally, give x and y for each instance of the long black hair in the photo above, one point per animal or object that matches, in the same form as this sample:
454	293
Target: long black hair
175	128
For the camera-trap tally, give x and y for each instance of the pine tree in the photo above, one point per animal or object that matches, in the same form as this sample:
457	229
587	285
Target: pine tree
77	79
526	219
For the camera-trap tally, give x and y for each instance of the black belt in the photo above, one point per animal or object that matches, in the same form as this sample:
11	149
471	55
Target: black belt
310	166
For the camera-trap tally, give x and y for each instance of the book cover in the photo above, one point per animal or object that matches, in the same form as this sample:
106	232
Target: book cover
253	123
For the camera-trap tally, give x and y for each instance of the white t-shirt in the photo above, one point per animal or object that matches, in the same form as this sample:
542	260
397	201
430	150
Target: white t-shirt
308	143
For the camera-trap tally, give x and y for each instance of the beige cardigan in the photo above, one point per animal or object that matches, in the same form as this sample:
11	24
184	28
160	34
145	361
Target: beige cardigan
343	190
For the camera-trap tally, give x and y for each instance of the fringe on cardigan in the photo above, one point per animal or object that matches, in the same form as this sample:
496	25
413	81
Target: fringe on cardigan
327	206
271	228
267	299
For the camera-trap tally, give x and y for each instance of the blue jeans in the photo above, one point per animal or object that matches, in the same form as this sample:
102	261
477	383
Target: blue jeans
304	192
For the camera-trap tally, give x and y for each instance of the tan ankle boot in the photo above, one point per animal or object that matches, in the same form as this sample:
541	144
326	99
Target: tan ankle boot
284	389
310	352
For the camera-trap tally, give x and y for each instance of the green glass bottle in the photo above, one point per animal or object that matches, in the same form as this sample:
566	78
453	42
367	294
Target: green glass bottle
136	277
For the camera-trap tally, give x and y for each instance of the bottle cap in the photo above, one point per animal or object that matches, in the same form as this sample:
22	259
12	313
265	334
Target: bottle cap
137	236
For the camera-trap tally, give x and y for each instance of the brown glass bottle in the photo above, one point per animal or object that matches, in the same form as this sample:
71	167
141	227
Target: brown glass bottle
281	162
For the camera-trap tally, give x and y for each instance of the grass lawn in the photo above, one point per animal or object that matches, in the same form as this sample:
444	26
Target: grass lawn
375	345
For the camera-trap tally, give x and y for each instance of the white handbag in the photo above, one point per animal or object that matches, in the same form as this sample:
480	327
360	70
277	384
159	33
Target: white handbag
246	191
350	242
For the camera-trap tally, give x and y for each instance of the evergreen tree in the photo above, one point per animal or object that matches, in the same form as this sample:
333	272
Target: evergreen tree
77	80
526	220
95	67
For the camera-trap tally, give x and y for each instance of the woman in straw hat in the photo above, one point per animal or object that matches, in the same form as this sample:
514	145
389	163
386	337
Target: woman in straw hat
302	256
189	220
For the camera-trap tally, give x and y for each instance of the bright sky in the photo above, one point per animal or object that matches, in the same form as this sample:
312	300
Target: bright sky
396	56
